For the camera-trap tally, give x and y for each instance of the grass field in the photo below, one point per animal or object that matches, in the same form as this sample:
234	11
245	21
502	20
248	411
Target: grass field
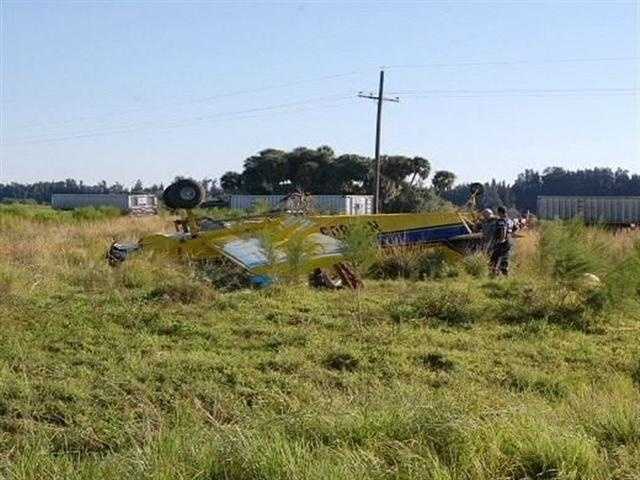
147	371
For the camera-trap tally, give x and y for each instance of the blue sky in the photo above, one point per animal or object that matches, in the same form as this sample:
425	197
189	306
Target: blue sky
120	90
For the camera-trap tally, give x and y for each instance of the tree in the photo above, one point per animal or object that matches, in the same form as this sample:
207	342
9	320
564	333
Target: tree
137	187
442	181
352	174
421	169
231	182
263	173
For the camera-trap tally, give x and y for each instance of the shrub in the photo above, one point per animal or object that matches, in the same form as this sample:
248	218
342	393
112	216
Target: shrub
448	303
476	264
569	250
180	289
360	245
412	263
529	449
635	373
395	262
436	361
433	264
617	424
545	385
298	249
526	301
267	244
623	280
6	282
342	361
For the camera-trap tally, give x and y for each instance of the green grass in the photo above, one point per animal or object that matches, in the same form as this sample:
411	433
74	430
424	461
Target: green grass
45	214
148	371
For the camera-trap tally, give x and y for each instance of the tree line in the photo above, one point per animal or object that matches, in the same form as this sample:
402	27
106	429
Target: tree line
522	194
403	184
407	183
40	192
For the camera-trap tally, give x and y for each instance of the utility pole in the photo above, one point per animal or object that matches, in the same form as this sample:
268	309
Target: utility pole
380	98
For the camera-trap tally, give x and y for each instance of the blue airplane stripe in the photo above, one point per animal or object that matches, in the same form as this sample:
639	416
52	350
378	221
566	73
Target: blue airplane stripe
425	235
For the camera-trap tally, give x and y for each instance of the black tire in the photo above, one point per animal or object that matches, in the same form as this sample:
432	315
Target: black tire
184	193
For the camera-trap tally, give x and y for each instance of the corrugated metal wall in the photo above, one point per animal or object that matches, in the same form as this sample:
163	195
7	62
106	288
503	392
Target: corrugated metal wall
340	204
590	209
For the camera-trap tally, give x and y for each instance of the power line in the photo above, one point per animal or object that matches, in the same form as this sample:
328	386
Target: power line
515	91
498	63
318	79
235	115
193	101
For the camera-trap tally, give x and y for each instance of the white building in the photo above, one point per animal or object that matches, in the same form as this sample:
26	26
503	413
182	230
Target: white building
332	204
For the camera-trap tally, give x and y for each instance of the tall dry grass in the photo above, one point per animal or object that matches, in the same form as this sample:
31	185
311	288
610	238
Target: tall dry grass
145	371
38	255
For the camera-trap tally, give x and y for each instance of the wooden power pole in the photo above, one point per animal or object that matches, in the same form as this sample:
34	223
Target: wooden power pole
379	98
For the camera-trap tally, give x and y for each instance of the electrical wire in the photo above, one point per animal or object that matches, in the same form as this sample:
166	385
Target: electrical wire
514	91
499	63
235	115
208	99
179	122
193	101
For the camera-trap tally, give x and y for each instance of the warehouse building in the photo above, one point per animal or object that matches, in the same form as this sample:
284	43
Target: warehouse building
130	203
614	210
331	204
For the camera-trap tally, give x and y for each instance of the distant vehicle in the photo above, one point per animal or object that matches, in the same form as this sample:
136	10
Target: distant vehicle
609	210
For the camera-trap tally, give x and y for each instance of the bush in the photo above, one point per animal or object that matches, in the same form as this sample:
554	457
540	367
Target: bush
476	264
545	385
395	262
6	282
569	250
298	250
616	425
180	289
532	450
433	264
526	301
623	281
635	373
436	361
412	263
360	245
448	303
342	361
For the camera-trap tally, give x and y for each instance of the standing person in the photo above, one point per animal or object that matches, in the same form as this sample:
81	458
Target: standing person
488	226
501	244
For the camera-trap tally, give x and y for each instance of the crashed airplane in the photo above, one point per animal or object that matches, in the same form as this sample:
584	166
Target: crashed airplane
241	241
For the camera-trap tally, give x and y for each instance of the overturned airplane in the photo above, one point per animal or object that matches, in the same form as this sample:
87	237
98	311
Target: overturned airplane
242	241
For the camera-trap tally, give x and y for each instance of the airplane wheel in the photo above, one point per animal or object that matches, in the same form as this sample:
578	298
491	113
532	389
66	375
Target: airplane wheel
184	193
